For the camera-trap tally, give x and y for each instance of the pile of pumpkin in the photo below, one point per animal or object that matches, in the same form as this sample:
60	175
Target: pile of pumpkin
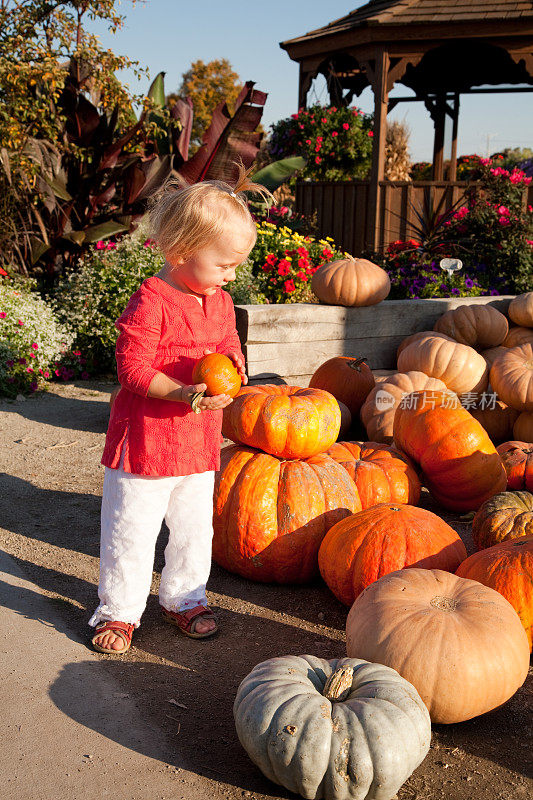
424	619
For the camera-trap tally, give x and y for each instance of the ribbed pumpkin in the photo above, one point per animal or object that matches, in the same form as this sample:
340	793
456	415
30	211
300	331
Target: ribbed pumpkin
507	568
521	310
365	546
517	458
518	336
286	421
334	729
415	337
459	366
270	516
460	464
478	326
381	473
379	408
507	515
491	354
523	427
350	282
511	377
459	643
497	420
348	379
218	373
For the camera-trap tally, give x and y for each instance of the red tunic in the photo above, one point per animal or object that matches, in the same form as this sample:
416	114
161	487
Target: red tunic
165	330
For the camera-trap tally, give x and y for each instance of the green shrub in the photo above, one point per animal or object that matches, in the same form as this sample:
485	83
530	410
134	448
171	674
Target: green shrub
90	300
32	340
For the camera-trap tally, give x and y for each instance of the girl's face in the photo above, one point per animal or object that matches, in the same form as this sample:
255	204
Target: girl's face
214	266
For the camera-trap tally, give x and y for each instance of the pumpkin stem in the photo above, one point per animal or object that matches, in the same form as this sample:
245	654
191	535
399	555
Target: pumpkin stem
339	684
356	363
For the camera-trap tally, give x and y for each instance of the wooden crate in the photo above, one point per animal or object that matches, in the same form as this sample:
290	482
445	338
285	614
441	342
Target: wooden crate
286	343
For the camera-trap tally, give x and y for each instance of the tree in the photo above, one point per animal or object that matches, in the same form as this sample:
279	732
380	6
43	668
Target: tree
207	85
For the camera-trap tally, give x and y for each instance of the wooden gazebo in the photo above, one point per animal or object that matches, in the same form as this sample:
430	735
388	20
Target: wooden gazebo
440	49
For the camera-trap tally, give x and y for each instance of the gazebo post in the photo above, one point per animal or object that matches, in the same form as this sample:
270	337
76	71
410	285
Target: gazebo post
439	119
378	81
452	175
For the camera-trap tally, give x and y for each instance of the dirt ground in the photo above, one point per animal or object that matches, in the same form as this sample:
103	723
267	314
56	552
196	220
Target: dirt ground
50	490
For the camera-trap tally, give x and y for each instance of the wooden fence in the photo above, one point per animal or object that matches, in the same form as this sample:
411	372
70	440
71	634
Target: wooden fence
341	208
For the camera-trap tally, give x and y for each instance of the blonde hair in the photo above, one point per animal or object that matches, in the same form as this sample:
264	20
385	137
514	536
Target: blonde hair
186	218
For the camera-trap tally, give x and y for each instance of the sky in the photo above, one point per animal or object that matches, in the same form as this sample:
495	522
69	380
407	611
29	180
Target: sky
167	35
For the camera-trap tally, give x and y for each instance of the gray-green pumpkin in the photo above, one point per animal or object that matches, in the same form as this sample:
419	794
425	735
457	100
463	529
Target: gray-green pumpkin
343	729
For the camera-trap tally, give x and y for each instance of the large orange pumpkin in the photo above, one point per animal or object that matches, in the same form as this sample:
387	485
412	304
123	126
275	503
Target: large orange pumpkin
460	644
270	516
517	458
506	515
511	377
365	546
459	366
285	421
507	568
476	325
379	408
348	379
381	473
218	373
350	282
521	310
461	466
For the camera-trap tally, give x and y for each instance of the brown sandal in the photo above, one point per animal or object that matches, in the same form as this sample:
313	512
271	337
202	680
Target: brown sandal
186	620
122	629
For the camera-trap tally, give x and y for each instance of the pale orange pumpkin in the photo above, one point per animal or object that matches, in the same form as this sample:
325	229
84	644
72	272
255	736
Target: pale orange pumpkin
507	568
521	310
492	353
416	337
511	377
497	419
379	408
363	547
459	366
476	325
286	421
523	427
461	644
460	463
380	473
350	282
270	515
518	336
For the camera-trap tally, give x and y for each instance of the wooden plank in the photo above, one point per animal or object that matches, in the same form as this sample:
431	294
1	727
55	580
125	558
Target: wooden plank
292	358
307	322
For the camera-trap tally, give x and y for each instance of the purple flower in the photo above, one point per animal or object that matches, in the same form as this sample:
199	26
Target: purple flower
469	283
456	291
494	292
443	287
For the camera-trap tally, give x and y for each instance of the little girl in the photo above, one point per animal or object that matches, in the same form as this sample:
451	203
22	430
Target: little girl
160	457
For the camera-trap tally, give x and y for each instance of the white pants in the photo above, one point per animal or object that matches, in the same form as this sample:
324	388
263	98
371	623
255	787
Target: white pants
133	508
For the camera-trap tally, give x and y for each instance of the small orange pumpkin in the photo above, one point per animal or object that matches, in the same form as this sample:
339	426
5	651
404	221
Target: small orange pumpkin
507	568
347	379
521	310
350	282
517	458
219	374
477	325
381	473
364	546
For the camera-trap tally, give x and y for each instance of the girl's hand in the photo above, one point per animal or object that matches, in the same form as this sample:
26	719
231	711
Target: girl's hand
206	403
238	362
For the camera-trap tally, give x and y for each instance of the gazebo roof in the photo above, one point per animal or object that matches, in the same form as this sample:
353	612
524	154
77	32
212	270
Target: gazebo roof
386	13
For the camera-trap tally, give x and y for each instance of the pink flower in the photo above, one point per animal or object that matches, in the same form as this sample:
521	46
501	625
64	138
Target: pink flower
308	141
503	210
346	126
20	322
334	133
2	314
46	374
294	116
529	208
323	119
3	272
371	134
100	245
29	369
111	245
35	345
504	220
32	355
485	161
317	159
